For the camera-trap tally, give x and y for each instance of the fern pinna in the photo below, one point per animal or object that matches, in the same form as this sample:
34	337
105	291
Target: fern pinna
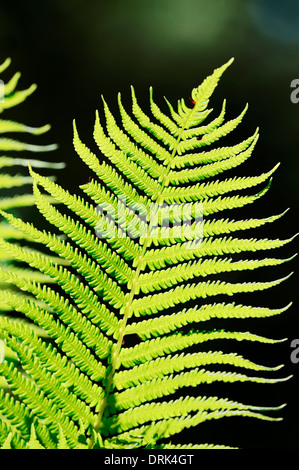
135	273
11	96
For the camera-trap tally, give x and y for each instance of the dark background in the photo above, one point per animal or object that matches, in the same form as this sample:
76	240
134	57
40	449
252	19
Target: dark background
76	50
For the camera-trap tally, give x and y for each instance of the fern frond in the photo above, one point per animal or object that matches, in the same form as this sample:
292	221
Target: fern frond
44	408
68	374
109	350
10	98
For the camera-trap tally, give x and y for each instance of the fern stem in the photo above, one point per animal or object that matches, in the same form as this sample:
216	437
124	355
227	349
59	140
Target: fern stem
128	307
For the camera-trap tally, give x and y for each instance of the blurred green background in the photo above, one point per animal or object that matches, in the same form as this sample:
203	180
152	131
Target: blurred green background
76	50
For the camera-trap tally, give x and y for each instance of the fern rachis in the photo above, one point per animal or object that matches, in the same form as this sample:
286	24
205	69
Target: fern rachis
92	389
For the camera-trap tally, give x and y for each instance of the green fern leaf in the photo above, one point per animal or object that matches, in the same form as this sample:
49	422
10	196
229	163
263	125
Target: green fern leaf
12	97
129	268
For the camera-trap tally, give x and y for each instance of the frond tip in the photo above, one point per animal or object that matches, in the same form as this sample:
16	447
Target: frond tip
109	345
